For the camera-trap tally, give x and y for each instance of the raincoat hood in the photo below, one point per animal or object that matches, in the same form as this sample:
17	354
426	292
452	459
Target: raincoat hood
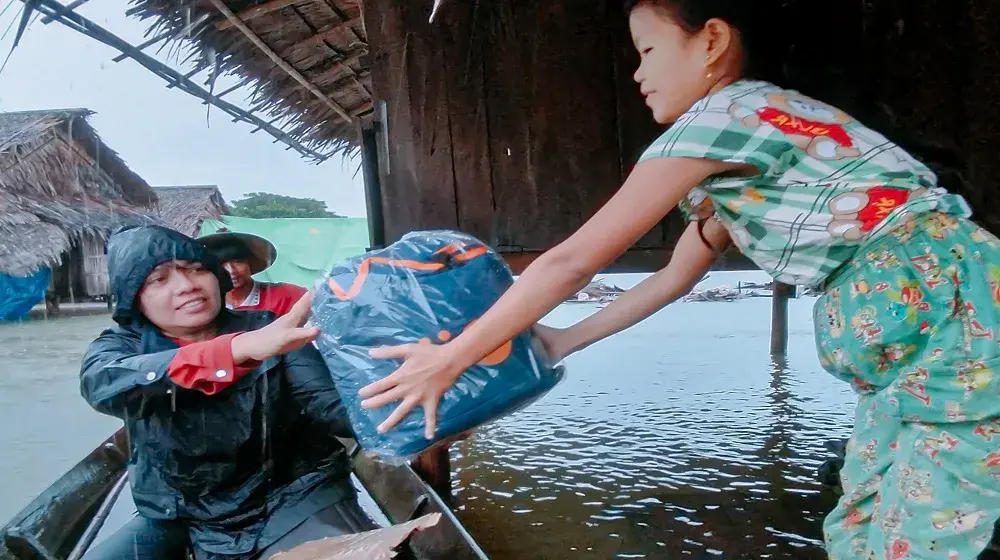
133	253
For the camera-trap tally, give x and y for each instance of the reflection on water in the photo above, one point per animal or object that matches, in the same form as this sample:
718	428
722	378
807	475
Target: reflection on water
45	426
673	441
676	439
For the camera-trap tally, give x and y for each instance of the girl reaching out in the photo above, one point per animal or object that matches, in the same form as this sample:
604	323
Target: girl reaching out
910	313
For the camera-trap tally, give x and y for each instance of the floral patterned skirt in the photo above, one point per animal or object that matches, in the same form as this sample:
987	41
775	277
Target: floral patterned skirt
913	323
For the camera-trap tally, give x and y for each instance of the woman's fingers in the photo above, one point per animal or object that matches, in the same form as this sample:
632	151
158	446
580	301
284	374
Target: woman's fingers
388	382
303	335
420	381
389	396
299	313
397	415
380	386
430	417
400	352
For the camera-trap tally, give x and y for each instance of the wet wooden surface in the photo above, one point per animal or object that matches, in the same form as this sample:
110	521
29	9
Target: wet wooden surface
499	128
516	120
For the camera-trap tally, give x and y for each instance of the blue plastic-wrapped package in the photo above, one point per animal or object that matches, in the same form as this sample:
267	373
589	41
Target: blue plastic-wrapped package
427	287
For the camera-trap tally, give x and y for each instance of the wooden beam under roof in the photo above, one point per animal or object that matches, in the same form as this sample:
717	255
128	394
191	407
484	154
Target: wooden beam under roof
295	74
257	11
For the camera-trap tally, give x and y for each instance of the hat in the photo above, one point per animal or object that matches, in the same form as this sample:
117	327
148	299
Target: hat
133	253
228	246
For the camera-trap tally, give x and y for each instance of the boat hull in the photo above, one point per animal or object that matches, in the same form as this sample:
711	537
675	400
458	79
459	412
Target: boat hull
51	526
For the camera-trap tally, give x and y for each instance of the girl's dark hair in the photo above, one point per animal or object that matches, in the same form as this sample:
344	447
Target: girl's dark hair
764	46
773	53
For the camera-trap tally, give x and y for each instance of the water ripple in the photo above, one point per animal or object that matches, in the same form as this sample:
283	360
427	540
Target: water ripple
666	442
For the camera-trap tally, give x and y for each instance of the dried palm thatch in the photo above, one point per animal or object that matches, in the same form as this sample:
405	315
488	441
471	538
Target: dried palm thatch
58	183
304	60
185	208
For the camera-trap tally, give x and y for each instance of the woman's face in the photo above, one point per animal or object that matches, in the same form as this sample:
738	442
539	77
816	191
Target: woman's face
673	72
181	298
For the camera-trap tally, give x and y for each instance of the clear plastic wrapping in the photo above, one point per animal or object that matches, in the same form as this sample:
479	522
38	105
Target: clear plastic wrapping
427	287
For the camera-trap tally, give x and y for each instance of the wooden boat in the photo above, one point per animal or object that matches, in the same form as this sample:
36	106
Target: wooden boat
87	504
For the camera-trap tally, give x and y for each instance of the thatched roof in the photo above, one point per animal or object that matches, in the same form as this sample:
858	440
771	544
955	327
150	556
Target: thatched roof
185	208
59	182
305	60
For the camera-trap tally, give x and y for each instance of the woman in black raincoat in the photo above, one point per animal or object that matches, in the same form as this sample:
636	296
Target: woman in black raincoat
231	415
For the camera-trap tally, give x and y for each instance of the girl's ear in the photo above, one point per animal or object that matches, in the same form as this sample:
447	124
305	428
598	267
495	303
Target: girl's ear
719	39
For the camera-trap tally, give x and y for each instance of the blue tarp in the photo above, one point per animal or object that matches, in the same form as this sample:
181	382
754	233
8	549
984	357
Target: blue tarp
19	294
427	287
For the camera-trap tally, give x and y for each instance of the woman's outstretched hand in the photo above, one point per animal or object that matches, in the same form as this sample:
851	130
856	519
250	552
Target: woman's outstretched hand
286	334
428	371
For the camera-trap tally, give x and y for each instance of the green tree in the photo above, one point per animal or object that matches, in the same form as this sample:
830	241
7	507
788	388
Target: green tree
267	205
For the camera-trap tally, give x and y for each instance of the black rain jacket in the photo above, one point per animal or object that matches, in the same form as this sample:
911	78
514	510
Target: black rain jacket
242	467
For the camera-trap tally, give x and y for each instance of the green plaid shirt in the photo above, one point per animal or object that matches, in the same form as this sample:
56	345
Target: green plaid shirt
828	184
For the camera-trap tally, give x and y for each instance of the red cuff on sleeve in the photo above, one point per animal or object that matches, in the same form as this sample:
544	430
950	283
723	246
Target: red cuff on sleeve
207	366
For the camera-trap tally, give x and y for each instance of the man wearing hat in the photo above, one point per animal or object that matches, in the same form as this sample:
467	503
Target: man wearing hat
243	255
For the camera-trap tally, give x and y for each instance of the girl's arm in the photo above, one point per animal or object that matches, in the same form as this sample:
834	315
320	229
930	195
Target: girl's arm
688	264
652	189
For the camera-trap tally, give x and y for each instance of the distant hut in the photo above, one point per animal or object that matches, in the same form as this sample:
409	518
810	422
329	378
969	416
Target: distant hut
62	191
185	208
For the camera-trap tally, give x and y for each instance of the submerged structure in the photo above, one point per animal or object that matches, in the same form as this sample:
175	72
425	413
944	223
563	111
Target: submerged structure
62	190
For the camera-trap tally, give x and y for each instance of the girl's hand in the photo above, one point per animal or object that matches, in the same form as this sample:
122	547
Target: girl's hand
558	343
426	374
284	335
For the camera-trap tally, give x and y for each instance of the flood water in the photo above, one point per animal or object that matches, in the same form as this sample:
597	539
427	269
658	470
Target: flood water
676	439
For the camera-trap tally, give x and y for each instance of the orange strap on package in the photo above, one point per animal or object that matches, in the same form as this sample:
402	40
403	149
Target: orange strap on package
457	252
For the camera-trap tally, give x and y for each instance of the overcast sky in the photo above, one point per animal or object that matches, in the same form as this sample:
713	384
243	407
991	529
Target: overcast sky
161	133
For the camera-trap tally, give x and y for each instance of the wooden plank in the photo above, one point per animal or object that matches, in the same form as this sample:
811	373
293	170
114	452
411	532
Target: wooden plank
402	495
373	187
95	267
418	189
287	68
328	33
462	26
980	110
257	11
339	67
434	467
936	72
551	115
382	24
51	524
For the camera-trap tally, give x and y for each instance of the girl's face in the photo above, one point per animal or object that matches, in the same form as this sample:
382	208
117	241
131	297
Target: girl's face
676	68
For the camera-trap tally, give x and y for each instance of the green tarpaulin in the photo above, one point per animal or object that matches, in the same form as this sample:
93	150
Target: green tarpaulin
307	247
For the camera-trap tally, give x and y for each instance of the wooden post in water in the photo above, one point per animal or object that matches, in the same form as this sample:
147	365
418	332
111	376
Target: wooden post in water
434	467
779	317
